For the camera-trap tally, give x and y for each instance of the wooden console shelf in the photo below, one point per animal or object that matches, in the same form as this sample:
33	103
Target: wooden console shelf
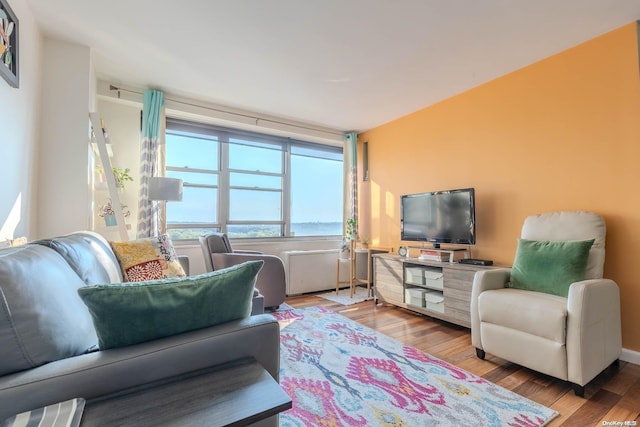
448	286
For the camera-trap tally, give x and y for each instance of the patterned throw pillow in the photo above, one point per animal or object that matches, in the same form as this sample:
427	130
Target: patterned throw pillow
148	259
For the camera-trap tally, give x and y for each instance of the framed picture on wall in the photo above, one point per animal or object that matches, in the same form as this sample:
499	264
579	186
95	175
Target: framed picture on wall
8	44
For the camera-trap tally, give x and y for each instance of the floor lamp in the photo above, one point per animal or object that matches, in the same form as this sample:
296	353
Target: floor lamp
163	189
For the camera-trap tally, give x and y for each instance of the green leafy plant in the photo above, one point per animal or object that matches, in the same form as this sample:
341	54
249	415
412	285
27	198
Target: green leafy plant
351	232
121	176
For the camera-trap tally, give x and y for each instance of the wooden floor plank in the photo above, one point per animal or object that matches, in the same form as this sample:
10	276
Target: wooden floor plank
501	372
551	393
618	414
614	393
566	406
626	377
475	365
594	409
515	379
631	398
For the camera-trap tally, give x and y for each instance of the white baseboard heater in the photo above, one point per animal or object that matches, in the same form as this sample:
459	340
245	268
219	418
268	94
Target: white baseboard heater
313	270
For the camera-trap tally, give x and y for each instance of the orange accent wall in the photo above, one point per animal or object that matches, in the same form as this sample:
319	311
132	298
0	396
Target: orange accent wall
560	134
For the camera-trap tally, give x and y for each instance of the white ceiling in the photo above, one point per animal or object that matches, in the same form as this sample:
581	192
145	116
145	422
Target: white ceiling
343	64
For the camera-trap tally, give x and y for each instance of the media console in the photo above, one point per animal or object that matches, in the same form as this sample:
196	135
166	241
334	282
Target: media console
437	289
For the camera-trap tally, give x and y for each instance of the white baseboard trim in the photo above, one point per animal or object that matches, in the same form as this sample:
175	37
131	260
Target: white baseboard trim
630	356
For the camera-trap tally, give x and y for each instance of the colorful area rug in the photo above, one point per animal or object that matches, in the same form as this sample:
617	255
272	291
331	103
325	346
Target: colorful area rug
340	373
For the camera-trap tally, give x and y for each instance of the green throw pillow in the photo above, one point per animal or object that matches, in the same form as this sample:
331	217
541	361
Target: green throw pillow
549	266
130	313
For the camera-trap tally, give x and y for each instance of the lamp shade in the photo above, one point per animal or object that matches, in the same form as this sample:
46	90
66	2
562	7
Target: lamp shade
163	188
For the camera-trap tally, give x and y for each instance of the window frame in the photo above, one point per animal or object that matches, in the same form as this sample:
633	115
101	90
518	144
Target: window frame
223	136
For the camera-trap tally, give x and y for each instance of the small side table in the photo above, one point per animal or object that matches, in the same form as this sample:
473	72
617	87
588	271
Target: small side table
354	280
239	393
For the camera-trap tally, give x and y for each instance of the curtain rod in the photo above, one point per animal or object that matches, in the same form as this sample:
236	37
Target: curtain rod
246	116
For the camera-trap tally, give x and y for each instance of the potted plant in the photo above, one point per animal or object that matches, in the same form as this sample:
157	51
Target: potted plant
351	232
121	176
106	211
350	235
345	249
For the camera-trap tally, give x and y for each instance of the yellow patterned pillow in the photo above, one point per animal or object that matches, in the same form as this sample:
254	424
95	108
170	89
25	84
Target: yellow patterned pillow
148	259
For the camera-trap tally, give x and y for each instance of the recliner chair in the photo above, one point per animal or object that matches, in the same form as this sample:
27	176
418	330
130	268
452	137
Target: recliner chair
573	338
271	281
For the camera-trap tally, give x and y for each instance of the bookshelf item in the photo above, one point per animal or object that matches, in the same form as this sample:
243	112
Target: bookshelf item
441	255
100	141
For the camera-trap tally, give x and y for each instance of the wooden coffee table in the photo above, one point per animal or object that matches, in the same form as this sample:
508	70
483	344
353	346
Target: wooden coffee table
236	394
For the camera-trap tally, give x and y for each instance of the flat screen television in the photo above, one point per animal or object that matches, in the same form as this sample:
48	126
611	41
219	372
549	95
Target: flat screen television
439	217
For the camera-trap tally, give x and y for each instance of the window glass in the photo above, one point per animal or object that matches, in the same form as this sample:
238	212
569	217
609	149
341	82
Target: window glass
254	180
267	142
244	157
254	231
303	150
316	196
191	151
255	205
189	232
198	205
189	177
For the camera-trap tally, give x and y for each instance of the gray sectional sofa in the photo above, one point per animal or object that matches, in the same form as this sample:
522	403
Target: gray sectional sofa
48	346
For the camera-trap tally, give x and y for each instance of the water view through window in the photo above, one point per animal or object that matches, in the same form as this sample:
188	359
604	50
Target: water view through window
251	185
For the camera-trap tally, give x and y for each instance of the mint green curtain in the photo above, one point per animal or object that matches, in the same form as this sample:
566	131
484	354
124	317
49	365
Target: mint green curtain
150	160
351	175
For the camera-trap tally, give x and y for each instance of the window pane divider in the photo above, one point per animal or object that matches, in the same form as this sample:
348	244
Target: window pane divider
193	170
192	225
256	172
237	187
194	185
254	222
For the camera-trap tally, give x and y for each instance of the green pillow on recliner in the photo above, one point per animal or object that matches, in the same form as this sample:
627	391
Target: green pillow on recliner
549	266
130	313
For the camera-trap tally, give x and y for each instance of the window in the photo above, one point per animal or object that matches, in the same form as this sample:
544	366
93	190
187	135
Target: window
251	185
316	191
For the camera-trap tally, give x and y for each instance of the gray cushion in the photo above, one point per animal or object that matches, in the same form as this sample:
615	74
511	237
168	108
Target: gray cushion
89	255
42	318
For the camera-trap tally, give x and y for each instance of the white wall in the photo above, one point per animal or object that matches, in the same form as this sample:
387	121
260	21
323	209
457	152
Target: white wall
19	125
63	194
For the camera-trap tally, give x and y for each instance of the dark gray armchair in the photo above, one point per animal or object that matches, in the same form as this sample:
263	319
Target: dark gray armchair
271	281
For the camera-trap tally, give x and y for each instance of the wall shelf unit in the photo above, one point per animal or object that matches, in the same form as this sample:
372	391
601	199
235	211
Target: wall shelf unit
101	153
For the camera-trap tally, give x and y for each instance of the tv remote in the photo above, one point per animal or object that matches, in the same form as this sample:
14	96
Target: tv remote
475	261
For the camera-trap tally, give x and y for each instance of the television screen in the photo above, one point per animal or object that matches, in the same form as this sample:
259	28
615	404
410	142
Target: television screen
439	217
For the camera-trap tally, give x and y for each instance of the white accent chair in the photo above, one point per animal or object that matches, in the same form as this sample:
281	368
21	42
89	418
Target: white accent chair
573	338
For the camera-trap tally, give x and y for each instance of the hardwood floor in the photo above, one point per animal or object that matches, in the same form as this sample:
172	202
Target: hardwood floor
612	396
